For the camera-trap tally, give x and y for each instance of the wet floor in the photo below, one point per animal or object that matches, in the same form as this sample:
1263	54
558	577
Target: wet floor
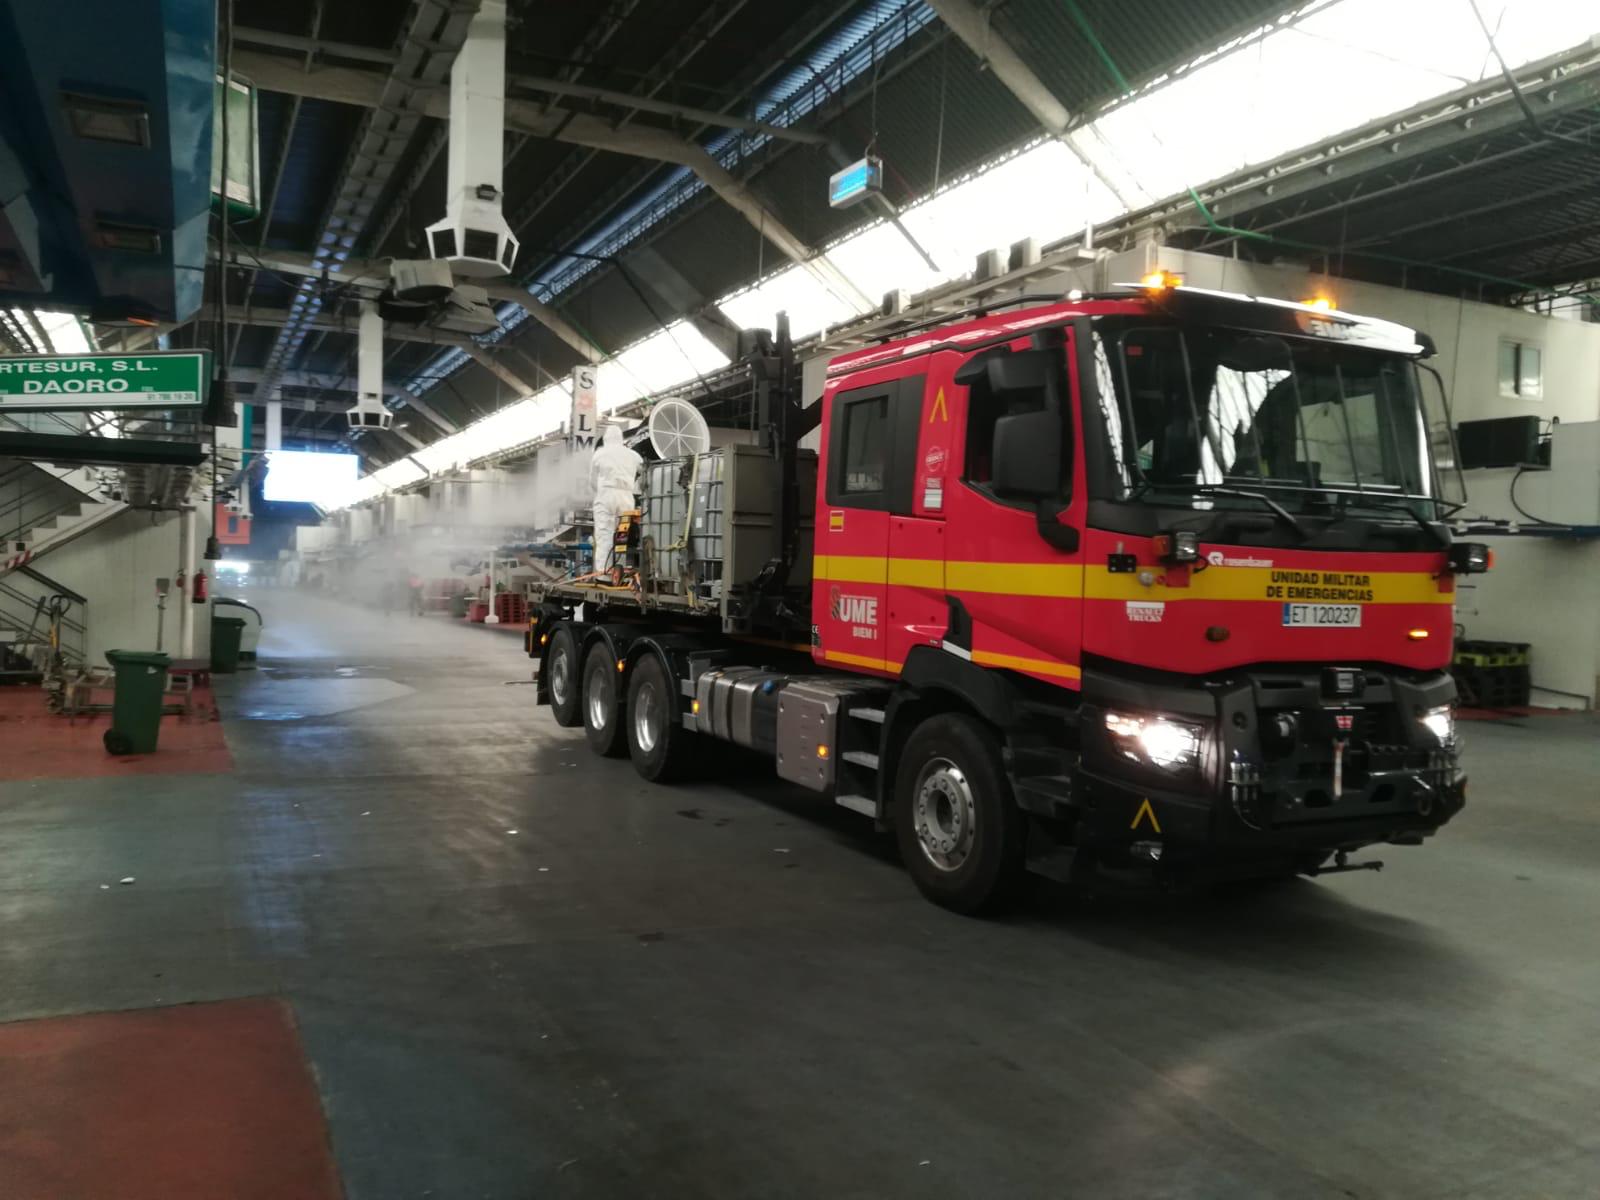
518	970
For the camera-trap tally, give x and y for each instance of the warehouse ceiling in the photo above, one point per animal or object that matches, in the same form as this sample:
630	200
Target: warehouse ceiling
923	99
666	154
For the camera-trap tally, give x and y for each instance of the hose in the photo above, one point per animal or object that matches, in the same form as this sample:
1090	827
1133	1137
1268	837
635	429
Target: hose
1524	512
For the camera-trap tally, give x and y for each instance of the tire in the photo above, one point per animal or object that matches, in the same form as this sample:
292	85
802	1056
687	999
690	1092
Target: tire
960	832
561	665
661	748
602	714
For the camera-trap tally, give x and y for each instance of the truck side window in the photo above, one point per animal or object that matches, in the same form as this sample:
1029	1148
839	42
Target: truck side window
866	436
984	408
872	445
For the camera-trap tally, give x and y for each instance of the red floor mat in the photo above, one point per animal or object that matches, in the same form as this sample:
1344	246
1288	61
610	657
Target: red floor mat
39	745
195	1101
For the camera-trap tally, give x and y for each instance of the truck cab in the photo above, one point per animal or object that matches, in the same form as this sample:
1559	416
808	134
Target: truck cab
1192	542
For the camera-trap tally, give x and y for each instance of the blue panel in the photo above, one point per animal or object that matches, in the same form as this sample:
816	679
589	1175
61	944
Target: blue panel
155	56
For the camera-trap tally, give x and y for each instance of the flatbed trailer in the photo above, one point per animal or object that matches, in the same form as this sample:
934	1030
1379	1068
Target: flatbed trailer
1051	596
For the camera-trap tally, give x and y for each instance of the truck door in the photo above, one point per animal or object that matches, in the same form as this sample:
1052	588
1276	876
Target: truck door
871	441
1013	565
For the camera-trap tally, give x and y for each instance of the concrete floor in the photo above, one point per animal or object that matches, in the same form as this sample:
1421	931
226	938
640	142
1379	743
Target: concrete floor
731	989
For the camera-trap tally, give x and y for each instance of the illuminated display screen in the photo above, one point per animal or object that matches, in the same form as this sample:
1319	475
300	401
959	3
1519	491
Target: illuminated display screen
309	477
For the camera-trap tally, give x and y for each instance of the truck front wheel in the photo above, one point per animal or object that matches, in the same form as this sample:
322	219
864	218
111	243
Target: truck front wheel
602	713
561	677
960	833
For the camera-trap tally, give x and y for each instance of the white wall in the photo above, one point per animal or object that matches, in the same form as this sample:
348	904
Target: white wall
115	568
1466	333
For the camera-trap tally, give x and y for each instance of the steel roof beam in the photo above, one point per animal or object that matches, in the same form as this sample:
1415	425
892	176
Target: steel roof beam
349	85
976	27
275	318
550	85
665	108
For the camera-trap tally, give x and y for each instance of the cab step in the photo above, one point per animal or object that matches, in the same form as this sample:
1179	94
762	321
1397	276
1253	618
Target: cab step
860	804
861	758
875	715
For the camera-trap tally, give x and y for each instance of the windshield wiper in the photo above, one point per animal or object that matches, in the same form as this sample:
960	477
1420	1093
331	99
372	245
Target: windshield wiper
1278	510
1388	504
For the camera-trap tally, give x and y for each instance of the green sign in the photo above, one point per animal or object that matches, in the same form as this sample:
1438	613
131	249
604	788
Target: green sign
52	382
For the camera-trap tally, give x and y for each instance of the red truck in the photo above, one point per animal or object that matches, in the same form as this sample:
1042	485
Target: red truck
1156	580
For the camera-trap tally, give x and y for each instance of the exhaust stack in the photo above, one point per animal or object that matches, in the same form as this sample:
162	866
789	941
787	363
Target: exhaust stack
474	237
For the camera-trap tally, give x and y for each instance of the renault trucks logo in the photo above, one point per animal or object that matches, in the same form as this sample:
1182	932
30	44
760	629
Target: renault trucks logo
1218	559
859	612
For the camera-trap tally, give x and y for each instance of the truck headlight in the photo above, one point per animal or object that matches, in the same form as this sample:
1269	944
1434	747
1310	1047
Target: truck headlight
1159	741
1441	722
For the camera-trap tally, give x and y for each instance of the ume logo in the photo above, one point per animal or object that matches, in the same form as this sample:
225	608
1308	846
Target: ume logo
854	610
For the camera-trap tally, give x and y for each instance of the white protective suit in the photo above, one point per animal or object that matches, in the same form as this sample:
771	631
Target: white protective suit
614	472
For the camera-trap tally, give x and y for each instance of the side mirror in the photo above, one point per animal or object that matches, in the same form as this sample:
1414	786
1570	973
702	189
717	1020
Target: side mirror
1027	455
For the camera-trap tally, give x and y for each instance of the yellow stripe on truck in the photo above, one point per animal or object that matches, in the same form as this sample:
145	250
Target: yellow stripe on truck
1039	666
1277	585
1016	579
1073	580
861	660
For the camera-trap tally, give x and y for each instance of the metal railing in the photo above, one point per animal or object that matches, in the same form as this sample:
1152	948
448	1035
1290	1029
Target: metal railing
27	614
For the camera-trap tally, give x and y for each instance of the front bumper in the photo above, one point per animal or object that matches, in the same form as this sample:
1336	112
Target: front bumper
1354	773
1180	829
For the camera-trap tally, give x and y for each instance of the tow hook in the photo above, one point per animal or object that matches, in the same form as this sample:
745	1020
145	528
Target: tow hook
1341	863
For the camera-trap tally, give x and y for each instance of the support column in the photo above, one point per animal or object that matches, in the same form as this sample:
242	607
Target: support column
186	564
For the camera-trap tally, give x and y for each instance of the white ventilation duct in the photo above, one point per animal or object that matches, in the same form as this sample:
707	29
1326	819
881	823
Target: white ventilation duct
474	237
369	412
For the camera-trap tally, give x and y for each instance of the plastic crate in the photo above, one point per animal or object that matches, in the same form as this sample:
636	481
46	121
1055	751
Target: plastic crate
1493	674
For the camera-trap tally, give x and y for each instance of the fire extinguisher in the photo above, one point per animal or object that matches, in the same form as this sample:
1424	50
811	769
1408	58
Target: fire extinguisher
199	594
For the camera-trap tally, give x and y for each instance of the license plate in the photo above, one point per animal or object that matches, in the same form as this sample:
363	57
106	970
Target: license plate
1322	616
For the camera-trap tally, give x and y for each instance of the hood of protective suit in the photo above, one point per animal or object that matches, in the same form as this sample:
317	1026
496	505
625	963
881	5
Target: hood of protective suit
611	436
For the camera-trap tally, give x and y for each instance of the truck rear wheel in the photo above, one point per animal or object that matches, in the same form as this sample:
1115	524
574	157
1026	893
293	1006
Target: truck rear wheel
562	676
657	741
960	832
602	714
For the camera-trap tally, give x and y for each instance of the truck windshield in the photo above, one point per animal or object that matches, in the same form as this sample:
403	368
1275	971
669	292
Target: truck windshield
1197	409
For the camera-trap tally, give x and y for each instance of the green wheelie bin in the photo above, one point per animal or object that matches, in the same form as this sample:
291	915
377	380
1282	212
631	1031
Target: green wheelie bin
225	635
140	692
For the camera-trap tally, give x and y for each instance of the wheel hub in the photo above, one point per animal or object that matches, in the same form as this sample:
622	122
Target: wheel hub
560	676
599	708
646	717
945	815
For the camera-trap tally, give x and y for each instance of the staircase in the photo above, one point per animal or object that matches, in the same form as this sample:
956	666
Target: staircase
60	529
81	479
25	622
